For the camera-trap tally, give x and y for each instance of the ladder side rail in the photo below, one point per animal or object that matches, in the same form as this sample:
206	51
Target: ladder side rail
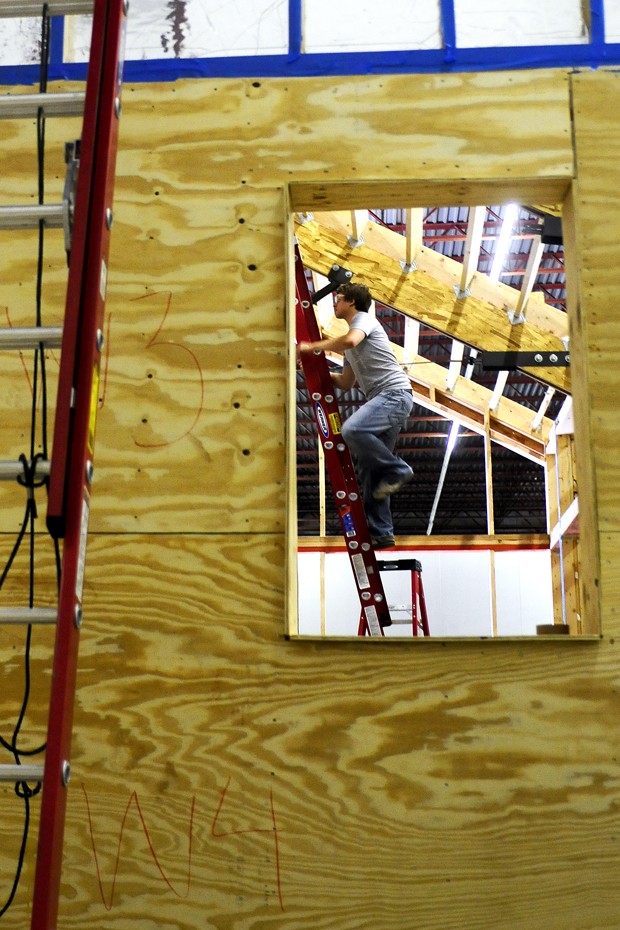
422	601
56	502
109	20
415	592
65	397
338	461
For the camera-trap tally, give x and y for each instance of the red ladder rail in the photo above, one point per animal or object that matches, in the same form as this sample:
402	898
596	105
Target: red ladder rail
347	498
73	448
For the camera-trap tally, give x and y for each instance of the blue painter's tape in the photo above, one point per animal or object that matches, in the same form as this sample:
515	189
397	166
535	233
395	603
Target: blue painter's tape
342	63
57	38
294	29
597	28
448	29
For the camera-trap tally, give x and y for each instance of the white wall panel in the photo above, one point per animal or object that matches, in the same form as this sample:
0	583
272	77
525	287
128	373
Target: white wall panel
193	29
524	597
456	588
489	23
365	25
612	20
19	41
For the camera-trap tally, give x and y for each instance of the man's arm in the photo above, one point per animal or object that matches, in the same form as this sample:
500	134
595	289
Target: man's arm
337	344
345	379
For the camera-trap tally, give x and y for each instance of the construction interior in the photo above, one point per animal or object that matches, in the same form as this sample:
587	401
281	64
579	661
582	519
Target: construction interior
224	770
512	476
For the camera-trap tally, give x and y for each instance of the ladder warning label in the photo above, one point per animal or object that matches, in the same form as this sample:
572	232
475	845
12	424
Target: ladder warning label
347	522
79	584
357	561
372	620
336	423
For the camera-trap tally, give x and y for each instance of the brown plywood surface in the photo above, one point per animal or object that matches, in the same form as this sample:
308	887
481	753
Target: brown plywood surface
320	784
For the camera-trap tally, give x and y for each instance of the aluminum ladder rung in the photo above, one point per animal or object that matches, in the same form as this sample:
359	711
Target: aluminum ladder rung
12	9
28	615
31	337
27	106
11	470
17	773
53	216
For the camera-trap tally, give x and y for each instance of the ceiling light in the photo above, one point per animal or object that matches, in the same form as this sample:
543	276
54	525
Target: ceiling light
454	429
504	241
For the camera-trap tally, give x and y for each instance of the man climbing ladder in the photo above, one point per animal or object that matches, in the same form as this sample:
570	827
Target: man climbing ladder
371	432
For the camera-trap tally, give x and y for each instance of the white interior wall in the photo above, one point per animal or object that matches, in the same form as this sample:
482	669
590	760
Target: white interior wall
489	23
456	586
19	41
612	21
194	29
365	25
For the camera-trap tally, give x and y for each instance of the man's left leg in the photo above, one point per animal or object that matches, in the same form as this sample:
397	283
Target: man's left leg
371	434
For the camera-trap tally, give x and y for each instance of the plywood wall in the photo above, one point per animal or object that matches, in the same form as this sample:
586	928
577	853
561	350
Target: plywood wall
223	776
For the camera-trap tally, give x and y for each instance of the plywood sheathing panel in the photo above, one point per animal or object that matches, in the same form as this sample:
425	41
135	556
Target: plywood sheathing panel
202	695
197	298
392	774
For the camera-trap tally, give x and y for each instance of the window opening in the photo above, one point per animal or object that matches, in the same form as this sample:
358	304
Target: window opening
492	512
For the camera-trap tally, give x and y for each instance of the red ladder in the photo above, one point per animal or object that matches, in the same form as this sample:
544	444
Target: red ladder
74	434
86	216
419	615
374	611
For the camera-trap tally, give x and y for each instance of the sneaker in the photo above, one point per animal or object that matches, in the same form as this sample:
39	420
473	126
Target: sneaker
385	488
382	542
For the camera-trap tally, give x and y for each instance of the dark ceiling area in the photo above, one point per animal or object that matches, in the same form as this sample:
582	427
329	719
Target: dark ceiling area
448	495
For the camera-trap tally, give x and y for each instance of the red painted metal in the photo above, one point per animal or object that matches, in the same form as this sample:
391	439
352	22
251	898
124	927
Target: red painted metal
419	615
73	448
375	614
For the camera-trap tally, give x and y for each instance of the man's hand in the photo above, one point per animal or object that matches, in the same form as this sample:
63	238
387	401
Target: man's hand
303	348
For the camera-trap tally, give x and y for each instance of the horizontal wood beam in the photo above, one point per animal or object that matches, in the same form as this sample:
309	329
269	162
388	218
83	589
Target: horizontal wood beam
479	542
397	192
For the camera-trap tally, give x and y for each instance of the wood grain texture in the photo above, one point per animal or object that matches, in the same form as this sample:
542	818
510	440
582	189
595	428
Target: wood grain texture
462	765
446	777
473	785
596	206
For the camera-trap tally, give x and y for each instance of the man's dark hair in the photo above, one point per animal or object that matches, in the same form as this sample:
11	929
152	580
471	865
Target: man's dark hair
359	294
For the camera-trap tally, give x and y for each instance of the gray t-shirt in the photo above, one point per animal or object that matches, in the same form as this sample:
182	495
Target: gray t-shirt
373	361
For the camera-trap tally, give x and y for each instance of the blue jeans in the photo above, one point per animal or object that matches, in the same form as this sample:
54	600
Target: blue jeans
371	434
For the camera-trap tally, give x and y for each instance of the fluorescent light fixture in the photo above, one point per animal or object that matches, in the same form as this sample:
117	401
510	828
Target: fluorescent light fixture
504	241
454	430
